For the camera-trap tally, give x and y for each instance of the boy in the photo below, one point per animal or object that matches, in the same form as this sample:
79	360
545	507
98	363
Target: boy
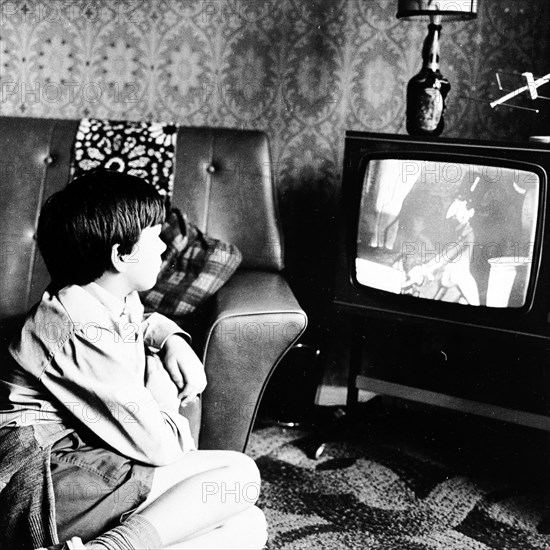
101	388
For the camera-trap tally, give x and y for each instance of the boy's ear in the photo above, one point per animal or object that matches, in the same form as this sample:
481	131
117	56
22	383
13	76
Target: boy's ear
117	259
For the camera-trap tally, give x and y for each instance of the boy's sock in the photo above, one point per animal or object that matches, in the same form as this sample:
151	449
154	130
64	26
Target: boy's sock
136	532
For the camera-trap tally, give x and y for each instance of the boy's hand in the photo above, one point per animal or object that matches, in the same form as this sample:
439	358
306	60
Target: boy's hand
184	367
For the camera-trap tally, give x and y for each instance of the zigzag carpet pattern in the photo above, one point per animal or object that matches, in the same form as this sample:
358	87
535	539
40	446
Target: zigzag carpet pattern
396	481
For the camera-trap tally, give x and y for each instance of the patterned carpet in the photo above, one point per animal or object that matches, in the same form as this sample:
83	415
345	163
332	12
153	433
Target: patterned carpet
400	480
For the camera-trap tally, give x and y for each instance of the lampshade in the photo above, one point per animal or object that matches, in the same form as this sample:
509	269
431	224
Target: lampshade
451	10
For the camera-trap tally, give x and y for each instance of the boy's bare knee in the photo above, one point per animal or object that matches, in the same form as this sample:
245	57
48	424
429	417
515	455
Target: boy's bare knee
246	465
245	473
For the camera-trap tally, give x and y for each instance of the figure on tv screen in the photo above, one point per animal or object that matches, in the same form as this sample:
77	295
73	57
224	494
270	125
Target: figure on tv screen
447	276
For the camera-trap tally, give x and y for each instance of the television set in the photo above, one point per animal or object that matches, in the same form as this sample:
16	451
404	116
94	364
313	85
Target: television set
446	231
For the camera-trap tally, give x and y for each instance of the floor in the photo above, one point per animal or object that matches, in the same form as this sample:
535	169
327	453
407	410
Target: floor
406	476
477	443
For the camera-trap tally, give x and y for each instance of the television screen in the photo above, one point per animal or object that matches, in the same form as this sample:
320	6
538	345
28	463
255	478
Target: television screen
447	231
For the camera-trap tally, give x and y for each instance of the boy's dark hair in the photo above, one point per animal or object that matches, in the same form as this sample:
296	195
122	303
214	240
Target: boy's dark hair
80	224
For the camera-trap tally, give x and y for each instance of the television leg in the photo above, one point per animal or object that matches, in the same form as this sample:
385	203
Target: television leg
356	353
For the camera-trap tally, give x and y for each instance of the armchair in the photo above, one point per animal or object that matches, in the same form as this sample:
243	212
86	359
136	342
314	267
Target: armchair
223	181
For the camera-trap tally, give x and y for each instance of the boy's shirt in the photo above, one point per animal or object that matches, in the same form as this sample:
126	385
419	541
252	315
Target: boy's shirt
81	356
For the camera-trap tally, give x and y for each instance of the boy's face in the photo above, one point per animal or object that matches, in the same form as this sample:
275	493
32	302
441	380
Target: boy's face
143	264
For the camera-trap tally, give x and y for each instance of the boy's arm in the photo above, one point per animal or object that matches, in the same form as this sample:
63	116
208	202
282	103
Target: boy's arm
156	329
104	393
179	359
160	385
185	367
165	393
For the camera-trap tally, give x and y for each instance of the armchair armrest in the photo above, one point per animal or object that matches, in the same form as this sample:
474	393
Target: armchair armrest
256	320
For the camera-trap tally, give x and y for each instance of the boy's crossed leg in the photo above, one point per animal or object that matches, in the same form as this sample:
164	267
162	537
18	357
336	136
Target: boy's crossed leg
204	500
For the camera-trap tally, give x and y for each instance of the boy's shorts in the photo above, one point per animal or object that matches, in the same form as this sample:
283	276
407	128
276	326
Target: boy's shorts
94	487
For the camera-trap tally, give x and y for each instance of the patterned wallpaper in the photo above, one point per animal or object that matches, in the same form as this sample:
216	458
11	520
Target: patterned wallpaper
303	70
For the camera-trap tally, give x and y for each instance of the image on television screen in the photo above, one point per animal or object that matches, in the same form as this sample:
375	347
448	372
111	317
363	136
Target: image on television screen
461	233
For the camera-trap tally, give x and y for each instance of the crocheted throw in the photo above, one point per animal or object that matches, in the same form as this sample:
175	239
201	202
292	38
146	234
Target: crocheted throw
142	149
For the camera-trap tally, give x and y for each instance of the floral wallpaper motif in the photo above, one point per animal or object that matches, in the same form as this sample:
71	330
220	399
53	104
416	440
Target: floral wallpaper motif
303	70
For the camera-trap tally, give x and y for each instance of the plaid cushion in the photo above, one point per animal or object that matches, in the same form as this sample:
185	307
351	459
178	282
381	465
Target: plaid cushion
194	267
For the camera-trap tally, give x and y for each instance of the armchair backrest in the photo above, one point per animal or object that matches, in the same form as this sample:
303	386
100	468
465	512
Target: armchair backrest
223	181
